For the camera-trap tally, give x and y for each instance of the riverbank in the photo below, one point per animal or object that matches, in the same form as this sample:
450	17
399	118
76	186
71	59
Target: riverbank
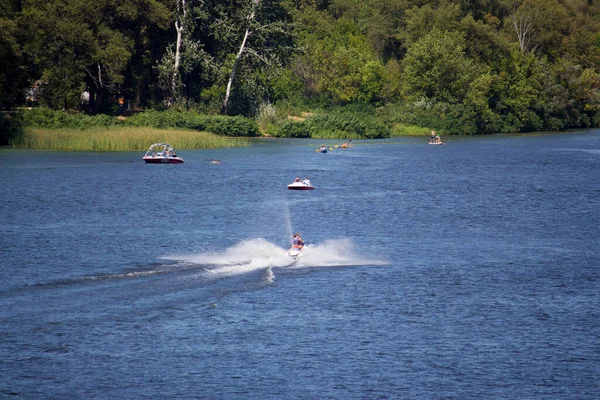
121	138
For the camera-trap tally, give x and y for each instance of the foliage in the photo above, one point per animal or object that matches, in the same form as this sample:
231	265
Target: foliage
219	124
43	117
436	68
408	130
83	44
12	70
456	66
340	65
445	118
338	124
11	128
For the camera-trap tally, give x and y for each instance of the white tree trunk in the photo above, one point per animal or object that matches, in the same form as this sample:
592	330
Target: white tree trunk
522	25
179	27
237	57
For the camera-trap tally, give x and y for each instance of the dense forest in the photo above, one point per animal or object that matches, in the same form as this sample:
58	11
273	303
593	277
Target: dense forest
460	66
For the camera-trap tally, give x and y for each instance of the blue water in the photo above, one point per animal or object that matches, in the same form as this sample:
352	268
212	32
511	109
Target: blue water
464	271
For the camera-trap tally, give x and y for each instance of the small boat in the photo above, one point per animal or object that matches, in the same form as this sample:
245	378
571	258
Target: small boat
300	185
162	153
436	142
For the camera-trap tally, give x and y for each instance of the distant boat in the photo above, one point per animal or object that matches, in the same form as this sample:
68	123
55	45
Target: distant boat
300	185
162	153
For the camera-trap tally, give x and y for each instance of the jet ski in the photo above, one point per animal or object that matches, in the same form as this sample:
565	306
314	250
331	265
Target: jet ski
294	253
297	249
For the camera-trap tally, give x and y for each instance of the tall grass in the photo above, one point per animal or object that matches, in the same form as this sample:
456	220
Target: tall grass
120	138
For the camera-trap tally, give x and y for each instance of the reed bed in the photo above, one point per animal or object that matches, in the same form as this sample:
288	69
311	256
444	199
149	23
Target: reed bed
121	138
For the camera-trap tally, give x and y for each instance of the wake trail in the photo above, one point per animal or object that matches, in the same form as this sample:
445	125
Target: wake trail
254	255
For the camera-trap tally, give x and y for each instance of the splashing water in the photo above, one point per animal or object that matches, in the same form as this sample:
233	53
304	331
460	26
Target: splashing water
269	276
259	254
334	253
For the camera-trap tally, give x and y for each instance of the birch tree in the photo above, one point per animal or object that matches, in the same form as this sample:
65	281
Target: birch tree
522	24
184	53
540	26
265	46
249	19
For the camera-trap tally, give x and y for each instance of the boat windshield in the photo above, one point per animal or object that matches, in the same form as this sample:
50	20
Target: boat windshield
158	149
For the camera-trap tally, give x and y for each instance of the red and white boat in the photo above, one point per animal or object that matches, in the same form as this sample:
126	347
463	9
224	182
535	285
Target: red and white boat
300	185
162	153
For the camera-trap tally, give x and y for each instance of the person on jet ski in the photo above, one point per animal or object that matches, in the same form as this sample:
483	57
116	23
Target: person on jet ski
297	243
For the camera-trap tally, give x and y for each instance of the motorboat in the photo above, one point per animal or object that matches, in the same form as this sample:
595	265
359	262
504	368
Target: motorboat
162	153
300	185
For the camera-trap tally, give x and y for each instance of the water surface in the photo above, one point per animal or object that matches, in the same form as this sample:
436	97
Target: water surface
469	271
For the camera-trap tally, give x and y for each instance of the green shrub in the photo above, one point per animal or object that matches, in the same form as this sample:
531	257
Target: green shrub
377	130
231	126
400	129
43	117
219	124
333	125
293	129
11	128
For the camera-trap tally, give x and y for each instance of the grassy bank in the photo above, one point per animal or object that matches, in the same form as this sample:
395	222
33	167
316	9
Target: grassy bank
120	138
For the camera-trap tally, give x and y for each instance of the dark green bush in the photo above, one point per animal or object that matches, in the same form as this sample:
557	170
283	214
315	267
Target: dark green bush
11	128
448	119
377	130
337	124
293	129
218	124
231	126
43	117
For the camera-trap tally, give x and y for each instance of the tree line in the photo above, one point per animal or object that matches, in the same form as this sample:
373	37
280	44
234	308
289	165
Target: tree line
476	66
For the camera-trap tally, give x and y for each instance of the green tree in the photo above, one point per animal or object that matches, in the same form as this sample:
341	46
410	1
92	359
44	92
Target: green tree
516	92
539	26
338	63
252	42
420	21
186	53
83	44
12	70
572	96
437	68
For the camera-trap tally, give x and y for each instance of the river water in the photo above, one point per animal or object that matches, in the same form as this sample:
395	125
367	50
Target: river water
464	271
